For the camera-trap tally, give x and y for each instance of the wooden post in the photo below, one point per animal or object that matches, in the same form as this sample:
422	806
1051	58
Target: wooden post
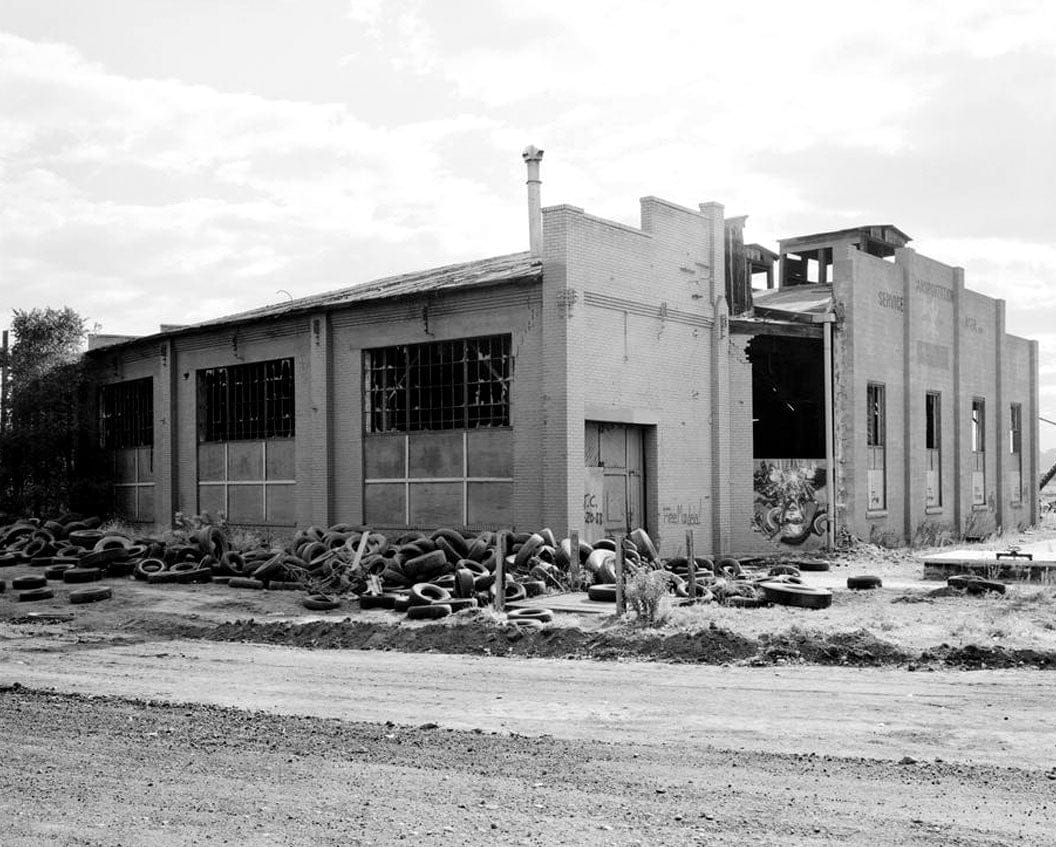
691	562
500	572
621	597
573	559
360	550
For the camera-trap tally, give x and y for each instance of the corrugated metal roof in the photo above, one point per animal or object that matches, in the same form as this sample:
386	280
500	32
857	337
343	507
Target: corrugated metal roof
797	299
498	269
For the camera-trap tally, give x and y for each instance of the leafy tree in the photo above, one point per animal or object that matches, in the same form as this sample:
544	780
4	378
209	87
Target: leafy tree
48	459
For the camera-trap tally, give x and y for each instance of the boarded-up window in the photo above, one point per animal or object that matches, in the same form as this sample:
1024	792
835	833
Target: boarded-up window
440	385
430	479
249	482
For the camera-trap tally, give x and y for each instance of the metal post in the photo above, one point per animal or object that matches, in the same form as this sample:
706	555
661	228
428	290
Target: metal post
621	597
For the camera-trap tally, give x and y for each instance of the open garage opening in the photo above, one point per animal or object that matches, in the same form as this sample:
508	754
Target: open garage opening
788	439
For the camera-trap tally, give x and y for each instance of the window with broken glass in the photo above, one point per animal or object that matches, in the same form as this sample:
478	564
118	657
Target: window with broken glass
246	459
978	451
460	384
876	441
126	414
126	431
1015	448
933	448
251	401
438	447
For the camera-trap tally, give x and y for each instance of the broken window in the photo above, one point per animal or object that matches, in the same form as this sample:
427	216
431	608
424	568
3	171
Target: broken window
126	414
978	451
243	402
933	448
1015	448
876	443
439	385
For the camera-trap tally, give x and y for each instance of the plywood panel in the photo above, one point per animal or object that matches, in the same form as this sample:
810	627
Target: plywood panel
282	458
246	503
125	502
146	503
490	504
614	446
124	465
210	499
592	445
211	461
436	504
490	452
282	506
146	464
384	457
435	454
245	460
383	504
615	501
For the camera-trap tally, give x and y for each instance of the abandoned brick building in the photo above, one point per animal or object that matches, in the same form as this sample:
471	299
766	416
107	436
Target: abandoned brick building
611	377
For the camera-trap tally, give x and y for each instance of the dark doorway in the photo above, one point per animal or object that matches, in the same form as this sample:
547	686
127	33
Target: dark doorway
788	397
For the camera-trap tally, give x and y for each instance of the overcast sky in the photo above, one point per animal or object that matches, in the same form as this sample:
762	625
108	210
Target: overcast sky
167	161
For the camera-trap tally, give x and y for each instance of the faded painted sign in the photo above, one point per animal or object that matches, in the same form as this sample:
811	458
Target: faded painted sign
790	501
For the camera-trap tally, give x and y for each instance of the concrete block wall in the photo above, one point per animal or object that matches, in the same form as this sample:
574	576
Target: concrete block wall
912	326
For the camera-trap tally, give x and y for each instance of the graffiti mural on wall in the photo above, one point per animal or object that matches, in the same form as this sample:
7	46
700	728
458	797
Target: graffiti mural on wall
788	508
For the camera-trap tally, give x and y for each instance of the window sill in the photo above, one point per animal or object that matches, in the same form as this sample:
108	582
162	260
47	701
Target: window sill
933	510
876	513
980	507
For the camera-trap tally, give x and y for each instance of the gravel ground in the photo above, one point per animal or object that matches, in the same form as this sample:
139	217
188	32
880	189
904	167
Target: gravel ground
107	771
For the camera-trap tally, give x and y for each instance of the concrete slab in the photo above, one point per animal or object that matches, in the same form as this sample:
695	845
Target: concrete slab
1034	562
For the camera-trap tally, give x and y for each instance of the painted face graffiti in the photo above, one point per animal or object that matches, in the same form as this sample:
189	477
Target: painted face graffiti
786	504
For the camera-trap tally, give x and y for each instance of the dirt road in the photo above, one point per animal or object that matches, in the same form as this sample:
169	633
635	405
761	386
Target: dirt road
293	748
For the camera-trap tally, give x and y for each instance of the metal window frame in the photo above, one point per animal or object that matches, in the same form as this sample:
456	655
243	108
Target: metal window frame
126	414
933	420
251	401
876	430
1015	447
415	374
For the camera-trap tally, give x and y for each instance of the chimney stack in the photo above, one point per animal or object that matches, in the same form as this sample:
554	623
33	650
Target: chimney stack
532	156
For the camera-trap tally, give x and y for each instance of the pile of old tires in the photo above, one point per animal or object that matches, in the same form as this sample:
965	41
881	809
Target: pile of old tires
68	551
424	575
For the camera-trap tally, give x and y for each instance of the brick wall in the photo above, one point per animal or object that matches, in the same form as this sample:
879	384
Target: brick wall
635	310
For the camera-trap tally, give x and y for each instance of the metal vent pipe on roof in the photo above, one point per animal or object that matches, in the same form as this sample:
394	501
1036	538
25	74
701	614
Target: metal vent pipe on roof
532	156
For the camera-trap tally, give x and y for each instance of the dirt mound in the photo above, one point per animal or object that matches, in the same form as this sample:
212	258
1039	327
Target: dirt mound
859	648
711	646
973	657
